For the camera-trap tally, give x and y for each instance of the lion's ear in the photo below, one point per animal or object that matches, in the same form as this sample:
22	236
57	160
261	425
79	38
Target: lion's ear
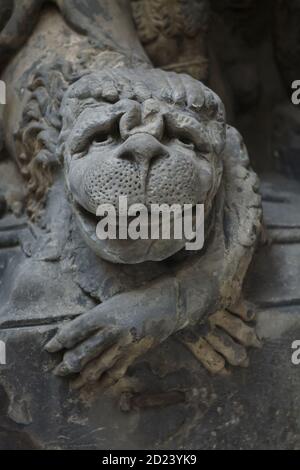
243	192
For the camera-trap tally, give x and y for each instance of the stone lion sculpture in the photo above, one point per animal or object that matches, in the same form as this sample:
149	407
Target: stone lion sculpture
87	131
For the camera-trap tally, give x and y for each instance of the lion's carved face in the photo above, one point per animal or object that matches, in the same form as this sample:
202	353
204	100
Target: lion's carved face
153	136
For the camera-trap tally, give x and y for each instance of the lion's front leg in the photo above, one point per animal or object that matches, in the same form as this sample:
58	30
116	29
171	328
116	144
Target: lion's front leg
101	344
230	333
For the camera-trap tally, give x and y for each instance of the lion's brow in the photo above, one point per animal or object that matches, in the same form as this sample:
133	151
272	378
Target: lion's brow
91	121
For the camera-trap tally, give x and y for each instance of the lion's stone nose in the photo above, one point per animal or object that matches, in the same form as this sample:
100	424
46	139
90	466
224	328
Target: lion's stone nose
141	148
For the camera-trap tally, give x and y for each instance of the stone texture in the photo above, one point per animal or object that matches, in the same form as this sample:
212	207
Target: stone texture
54	287
168	399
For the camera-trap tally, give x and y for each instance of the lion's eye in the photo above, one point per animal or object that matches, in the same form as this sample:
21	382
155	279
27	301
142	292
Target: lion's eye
101	138
186	141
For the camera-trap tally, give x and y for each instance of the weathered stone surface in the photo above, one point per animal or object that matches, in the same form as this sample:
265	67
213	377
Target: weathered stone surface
257	407
168	400
175	35
88	121
283	286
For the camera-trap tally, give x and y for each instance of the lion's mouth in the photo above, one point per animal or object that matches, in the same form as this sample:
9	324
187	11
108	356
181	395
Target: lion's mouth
89	221
92	220
127	249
